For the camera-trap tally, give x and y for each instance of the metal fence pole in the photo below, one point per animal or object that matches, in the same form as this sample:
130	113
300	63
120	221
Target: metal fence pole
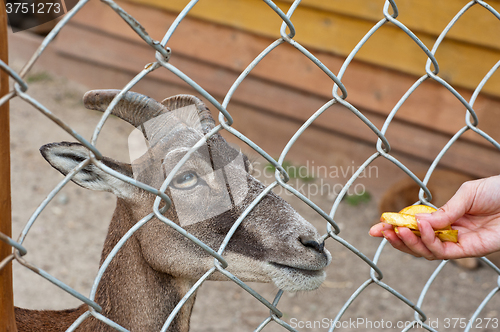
7	319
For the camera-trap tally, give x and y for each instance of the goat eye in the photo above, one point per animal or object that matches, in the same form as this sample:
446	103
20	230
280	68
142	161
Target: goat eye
185	181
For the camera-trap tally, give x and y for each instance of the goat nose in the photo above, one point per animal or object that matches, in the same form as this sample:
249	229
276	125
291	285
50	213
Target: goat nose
310	242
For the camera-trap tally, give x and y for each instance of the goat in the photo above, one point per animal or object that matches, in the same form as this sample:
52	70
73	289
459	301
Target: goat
157	265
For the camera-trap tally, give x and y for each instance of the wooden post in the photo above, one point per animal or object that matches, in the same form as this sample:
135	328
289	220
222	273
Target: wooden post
7	320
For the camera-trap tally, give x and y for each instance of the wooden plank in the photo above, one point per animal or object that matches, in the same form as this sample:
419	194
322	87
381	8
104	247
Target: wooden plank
7	318
275	99
369	87
331	32
428	16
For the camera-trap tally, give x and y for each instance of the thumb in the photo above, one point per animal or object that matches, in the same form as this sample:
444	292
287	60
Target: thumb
438	220
448	213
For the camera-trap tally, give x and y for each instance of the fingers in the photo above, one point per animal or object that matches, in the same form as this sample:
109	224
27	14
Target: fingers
427	246
404	240
416	245
378	229
434	247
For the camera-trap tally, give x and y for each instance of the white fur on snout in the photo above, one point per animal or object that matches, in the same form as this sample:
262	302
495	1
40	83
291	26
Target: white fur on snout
303	271
294	280
244	268
293	266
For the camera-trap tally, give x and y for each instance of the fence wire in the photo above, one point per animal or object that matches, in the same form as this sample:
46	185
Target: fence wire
382	149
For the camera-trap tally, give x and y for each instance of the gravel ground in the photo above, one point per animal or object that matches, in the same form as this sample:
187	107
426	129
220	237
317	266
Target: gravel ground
67	238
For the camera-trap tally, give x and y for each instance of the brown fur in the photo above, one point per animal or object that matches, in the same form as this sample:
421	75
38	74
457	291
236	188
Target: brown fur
46	320
147	307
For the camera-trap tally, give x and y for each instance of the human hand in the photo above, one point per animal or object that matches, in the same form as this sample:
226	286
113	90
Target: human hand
474	211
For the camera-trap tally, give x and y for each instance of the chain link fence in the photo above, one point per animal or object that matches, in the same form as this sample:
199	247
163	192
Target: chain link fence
382	149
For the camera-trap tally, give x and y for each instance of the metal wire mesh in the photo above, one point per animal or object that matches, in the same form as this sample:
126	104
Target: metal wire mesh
339	96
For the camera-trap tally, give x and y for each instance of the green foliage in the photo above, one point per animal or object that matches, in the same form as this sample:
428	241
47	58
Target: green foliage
355	199
38	77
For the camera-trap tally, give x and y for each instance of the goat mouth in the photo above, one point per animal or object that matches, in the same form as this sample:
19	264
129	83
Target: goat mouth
294	279
308	272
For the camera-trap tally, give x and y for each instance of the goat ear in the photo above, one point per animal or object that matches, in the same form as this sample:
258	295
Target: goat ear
65	156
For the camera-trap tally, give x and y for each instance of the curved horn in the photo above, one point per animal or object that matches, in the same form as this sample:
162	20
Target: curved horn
134	108
179	101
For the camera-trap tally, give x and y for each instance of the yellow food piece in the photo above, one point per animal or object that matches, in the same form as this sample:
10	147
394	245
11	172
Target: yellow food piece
450	235
417	233
399	219
406	218
415	209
